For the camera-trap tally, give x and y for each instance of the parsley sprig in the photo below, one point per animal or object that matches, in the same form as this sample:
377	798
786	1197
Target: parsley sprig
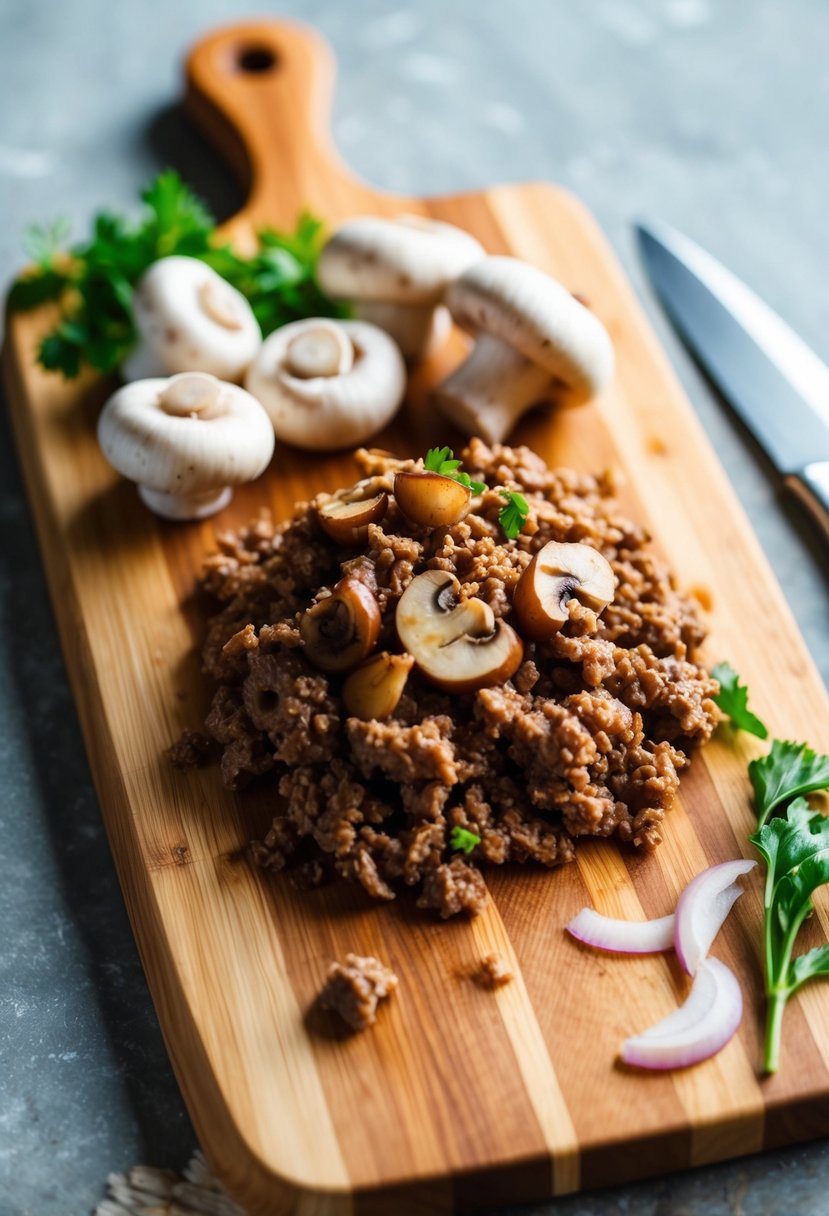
94	279
732	699
793	839
512	515
462	840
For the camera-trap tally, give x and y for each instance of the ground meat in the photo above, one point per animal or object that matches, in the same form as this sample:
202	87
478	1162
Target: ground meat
587	739
353	988
492	973
192	750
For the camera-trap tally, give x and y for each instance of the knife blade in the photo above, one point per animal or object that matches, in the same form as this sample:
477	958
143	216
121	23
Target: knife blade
777	385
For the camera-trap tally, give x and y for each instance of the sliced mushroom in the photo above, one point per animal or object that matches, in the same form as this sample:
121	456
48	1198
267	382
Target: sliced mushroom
190	319
395	272
534	342
342	629
374	689
186	441
557	574
345	516
431	500
328	384
458	645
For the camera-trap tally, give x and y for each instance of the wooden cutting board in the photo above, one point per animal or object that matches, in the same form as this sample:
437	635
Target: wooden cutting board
458	1096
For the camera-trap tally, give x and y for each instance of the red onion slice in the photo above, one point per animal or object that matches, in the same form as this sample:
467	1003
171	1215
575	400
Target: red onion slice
702	909
698	1029
623	936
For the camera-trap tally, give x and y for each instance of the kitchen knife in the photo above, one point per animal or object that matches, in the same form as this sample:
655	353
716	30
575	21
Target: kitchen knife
777	385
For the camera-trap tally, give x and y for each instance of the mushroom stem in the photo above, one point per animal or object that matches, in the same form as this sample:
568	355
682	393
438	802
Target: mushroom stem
185	506
491	389
323	349
416	328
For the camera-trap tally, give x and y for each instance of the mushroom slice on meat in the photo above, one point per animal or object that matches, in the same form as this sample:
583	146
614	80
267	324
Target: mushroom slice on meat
456	643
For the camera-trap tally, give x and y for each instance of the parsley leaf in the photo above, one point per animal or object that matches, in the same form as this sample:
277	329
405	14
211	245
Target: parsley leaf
462	840
513	516
732	699
442	461
95	279
796	851
788	770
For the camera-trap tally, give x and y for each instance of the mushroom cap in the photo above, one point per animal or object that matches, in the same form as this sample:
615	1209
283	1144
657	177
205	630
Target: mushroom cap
191	319
227	443
324	413
405	260
535	315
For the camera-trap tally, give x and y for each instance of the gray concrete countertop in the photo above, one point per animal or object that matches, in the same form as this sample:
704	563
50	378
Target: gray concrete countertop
711	116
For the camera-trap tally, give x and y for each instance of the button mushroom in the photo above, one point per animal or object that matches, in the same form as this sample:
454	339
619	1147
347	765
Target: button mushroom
341	630
186	441
345	516
557	574
328	384
190	319
458	645
395	272
374	689
430	499
534	342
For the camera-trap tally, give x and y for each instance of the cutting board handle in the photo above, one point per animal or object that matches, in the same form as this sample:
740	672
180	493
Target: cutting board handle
261	91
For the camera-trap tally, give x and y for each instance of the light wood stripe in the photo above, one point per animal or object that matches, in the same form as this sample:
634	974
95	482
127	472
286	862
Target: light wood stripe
531	1055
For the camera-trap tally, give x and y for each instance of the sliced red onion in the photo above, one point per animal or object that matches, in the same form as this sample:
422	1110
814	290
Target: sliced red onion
702	909
698	1029
623	936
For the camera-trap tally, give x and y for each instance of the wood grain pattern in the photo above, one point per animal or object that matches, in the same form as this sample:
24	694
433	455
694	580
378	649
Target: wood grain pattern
458	1097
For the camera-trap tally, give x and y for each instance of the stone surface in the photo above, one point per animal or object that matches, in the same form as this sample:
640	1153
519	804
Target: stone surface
710	116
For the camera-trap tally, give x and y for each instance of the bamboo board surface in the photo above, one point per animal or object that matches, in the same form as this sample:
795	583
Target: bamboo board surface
458	1097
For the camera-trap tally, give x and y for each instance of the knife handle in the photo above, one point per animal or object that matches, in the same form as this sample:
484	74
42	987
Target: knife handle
811	486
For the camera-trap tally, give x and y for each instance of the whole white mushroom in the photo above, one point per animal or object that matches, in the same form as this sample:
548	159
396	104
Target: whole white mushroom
186	441
328	384
190	319
394	274
533	342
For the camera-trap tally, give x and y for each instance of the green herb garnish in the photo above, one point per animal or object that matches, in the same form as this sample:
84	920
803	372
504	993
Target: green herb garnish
789	770
795	847
94	280
512	515
441	460
796	851
462	840
732	699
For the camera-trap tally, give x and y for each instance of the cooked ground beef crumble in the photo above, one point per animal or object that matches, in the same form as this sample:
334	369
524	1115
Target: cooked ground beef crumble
587	739
353	989
492	972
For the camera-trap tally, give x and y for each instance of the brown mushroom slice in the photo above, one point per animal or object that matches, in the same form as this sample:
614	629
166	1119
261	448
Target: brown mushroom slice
373	690
430	499
342	629
345	519
557	574
457	645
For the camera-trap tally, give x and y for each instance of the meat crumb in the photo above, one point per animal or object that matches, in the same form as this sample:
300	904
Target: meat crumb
492	973
353	988
192	750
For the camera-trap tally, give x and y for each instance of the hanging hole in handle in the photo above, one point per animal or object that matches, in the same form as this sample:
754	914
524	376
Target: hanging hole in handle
256	59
